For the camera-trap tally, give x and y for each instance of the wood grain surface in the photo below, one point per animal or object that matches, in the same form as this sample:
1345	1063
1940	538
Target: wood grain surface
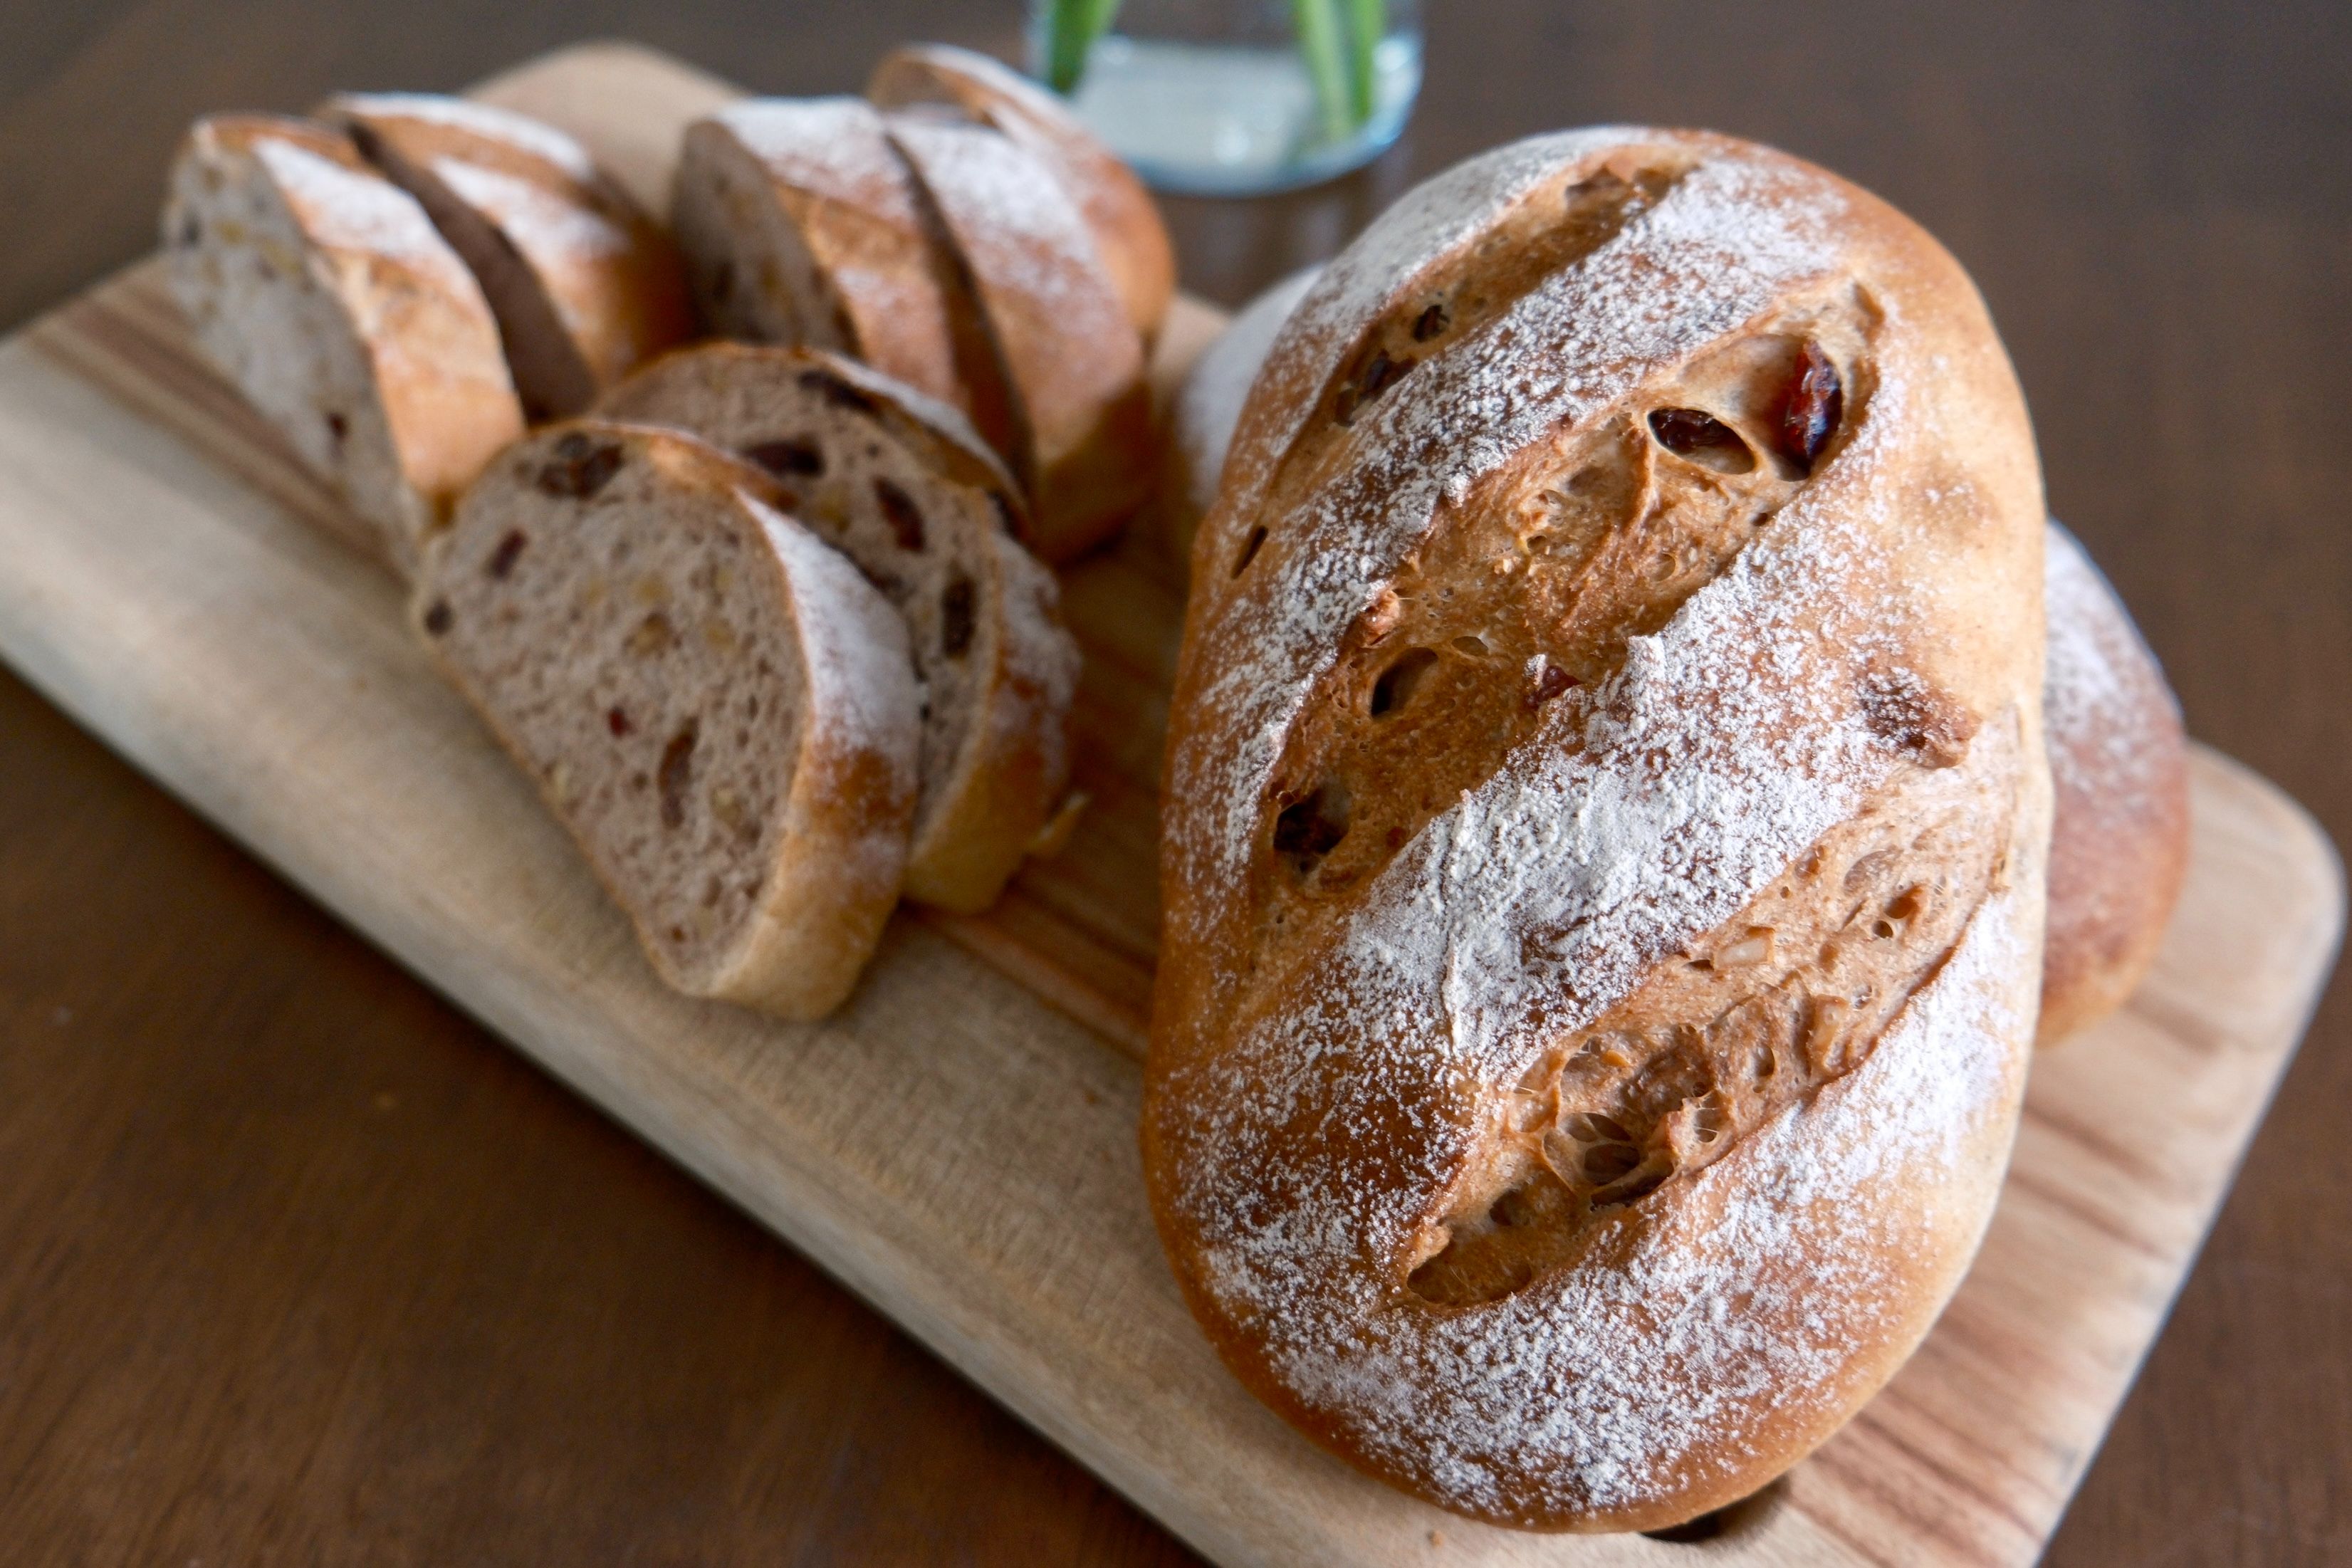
252	1310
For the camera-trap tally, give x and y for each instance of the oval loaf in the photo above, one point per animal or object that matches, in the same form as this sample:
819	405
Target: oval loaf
1603	832
2119	759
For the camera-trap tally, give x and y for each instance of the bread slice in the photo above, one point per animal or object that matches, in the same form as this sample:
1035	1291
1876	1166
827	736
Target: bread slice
801	226
715	702
584	284
323	290
1118	212
901	485
1074	361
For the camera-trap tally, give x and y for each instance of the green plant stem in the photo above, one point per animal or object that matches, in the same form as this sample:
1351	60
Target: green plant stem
1318	22
1071	29
1368	20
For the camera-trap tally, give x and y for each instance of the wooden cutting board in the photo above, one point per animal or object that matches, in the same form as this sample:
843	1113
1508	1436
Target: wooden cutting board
958	1145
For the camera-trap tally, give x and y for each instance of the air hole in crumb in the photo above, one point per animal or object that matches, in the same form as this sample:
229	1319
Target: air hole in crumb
1704	439
1249	550
337	426
675	775
1431	322
1590	1127
956	618
1475	647
1631	1189
1394	688
502	559
1311	828
1607	1162
437	617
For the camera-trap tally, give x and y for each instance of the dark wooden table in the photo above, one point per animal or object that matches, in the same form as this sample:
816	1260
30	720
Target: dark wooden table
298	1265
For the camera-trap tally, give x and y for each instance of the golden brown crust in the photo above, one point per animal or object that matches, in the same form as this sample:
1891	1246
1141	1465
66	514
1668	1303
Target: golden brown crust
2119	777
401	397
1118	212
1603	834
585	284
1076	365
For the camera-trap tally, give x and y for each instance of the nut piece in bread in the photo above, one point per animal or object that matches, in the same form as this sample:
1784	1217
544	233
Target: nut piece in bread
900	484
324	292
1083	446
2119	787
1604	837
801	226
584	284
1118	212
711	698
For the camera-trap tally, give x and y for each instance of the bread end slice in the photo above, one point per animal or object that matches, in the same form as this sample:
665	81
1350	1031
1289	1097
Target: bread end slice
324	292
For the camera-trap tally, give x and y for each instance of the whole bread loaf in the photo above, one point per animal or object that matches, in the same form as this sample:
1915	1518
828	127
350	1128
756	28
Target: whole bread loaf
1604	831
2119	778
324	292
2118	759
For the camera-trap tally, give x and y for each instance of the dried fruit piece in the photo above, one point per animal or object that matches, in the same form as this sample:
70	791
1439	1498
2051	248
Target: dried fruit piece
580	467
503	558
1699	435
1395	687
1376	377
1815	402
788	459
1431	322
1547	681
904	517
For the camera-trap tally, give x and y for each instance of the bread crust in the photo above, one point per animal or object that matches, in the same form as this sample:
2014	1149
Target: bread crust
982	807
1381	1117
835	847
584	285
800	225
1074	362
1118	212
423	397
2119	776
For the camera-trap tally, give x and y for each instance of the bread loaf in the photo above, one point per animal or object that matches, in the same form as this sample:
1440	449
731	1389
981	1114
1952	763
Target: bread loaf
2119	776
714	702
1118	212
2119	765
325	293
801	226
1083	447
584	284
1604	831
901	485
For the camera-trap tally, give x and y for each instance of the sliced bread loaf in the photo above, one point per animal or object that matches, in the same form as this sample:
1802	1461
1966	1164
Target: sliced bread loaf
324	292
1118	212
800	225
584	284
901	485
1073	359
713	700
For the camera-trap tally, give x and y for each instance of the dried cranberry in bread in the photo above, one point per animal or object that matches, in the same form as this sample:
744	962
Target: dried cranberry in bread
1118	212
711	698
901	485
2119	789
323	290
801	226
1604	831
2119	759
584	284
1083	447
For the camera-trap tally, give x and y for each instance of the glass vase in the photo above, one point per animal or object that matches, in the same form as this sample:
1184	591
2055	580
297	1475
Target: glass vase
1234	97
